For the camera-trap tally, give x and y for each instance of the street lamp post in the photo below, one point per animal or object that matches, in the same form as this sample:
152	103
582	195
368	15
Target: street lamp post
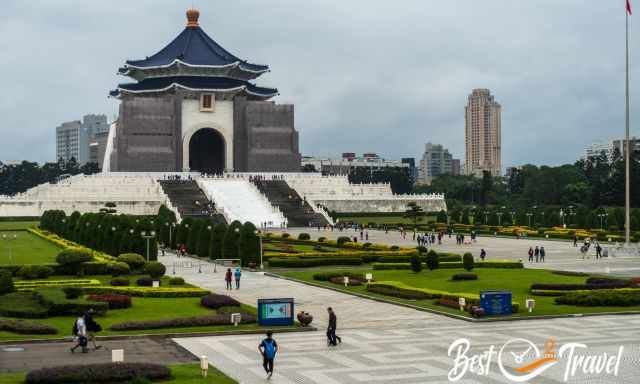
486	217
148	236
499	214
260	240
513	217
529	214
602	216
9	239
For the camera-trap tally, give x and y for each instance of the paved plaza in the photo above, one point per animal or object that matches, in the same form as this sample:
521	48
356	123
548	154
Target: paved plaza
560	254
383	343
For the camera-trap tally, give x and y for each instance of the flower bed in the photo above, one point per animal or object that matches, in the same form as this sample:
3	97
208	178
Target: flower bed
180	322
26	327
294	262
114	301
580	287
33	284
601	298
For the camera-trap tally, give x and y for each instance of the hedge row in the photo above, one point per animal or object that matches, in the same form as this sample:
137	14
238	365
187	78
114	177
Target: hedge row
449	265
147	292
401	290
327	276
215	301
294	262
27	285
554	293
180	322
26	327
579	287
99	373
601	298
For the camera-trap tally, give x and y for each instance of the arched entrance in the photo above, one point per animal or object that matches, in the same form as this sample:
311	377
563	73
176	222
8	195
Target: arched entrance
207	151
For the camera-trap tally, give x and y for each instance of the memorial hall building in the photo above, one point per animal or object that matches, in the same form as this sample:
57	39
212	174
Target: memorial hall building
193	107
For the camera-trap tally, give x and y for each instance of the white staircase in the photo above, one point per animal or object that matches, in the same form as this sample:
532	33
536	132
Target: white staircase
238	199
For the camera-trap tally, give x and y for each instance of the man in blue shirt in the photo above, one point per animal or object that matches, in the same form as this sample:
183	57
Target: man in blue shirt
268	349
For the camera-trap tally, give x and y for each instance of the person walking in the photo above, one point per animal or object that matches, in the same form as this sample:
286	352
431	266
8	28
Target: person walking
268	349
536	253
598	251
92	328
483	254
332	338
542	253
80	333
227	278
237	275
530	255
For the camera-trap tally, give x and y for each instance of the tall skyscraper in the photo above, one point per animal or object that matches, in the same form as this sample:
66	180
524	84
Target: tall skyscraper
436	160
482	134
74	138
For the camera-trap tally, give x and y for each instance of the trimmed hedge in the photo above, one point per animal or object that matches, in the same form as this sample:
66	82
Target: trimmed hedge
59	305
176	281
295	262
23	327
155	269
118	268
147	292
215	301
134	260
579	287
180	322
480	264
464	276
144	282
327	276
120	282
304	236
403	291
6	283
32	272
72	292
98	373
24	305
603	298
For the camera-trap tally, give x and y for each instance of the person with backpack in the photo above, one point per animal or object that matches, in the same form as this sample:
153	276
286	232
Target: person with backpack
483	254
332	338
228	277
530	255
237	274
542	253
92	328
536	253
268	349
80	332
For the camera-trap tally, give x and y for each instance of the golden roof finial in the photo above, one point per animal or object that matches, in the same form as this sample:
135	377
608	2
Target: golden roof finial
192	17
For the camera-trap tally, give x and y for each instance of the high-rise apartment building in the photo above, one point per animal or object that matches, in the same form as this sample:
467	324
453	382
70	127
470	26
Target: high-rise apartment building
74	138
482	134
436	161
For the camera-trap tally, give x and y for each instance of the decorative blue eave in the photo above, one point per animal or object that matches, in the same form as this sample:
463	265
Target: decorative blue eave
194	48
195	83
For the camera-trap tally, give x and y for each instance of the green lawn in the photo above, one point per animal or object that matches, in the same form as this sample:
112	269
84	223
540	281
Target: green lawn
384	220
26	249
516	280
4	225
183	374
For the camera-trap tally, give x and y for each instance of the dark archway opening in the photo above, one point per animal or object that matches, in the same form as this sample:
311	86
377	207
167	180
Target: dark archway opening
207	151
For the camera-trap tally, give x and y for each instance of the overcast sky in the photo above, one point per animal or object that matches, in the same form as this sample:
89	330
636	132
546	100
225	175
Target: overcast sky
364	75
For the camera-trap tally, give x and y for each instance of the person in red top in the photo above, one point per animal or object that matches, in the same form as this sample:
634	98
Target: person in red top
227	278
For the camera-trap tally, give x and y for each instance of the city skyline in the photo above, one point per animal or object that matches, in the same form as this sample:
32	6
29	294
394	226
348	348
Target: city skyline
323	71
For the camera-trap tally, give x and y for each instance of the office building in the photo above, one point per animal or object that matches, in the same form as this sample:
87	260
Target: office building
482	134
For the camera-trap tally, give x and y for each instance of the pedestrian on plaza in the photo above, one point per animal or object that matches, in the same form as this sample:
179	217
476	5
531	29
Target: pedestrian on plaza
598	251
542	253
268	349
92	328
536	253
237	274
575	241
332	338
227	278
80	334
483	254
366	235
530	255
361	234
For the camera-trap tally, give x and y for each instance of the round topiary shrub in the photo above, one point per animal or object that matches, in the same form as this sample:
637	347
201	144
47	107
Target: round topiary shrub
394	248
416	264
118	268
285	235
464	276
72	292
304	236
322	239
176	281
144	282
6	283
120	282
467	261
155	269
30	272
432	260
134	260
73	256
366	245
215	301
343	239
